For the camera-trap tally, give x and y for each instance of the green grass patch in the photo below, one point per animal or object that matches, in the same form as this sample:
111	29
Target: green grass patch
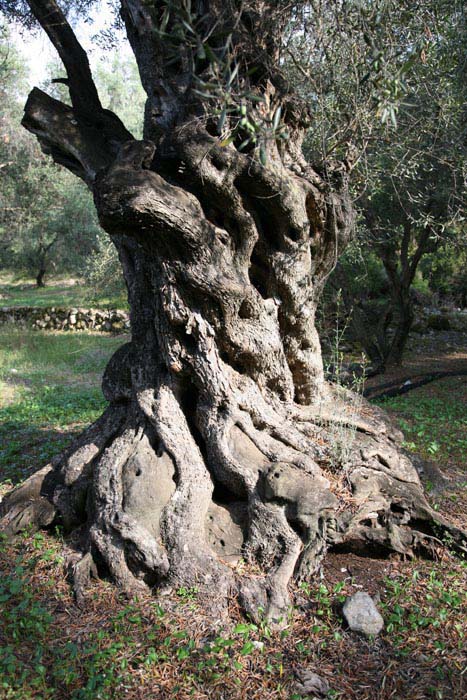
56	293
167	647
50	390
53	358
40	423
434	419
429	601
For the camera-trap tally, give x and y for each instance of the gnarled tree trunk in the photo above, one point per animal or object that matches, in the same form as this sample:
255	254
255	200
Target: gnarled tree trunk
40	277
222	441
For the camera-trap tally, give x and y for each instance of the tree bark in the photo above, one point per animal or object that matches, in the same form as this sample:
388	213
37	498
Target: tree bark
40	278
222	441
404	317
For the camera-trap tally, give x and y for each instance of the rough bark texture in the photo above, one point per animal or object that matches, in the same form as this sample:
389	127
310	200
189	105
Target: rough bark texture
222	441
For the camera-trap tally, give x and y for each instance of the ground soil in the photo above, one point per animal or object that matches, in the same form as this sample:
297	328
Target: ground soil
419	656
435	351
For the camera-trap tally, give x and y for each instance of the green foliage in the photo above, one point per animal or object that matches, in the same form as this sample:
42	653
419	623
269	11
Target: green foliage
358	64
102	272
54	225
414	198
12	69
364	271
400	62
48	222
47	219
23	619
433	419
446	271
120	91
26	621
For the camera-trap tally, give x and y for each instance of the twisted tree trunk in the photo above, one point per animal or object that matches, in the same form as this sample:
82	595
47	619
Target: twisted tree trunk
40	278
222	441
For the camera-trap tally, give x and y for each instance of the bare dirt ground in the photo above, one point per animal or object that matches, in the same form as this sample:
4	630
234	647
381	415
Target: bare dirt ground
438	351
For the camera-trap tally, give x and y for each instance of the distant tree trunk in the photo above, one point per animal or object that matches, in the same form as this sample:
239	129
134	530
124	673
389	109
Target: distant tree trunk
384	337
40	277
402	306
401	274
43	262
222	439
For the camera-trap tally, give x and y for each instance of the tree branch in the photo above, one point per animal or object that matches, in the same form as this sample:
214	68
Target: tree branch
405	245
51	244
422	248
83	92
83	150
84	138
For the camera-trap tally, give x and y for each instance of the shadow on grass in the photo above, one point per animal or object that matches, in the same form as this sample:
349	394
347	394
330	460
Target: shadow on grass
25	448
40	424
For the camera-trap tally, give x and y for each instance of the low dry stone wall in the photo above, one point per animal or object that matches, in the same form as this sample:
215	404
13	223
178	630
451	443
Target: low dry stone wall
429	320
54	318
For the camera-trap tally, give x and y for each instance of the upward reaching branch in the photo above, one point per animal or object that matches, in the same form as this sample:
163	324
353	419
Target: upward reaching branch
81	148
85	137
83	92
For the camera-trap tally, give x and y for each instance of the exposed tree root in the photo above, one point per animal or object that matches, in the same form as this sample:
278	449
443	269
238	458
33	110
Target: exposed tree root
402	386
28	505
162	499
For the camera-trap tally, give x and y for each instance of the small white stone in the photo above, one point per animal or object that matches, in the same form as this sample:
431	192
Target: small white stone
362	615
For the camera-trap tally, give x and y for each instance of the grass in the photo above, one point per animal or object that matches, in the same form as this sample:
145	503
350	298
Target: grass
434	419
49	390
171	647
58	292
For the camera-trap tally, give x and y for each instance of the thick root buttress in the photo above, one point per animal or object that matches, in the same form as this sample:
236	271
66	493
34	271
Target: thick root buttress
233	500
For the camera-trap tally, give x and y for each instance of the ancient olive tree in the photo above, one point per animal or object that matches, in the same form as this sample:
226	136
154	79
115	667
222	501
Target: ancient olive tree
221	441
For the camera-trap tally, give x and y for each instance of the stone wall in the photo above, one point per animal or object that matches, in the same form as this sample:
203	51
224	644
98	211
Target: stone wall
431	319
55	318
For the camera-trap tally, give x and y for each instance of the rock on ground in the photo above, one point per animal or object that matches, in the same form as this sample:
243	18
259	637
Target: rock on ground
362	615
310	683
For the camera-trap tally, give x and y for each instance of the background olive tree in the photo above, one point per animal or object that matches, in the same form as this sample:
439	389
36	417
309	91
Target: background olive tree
48	224
405	67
